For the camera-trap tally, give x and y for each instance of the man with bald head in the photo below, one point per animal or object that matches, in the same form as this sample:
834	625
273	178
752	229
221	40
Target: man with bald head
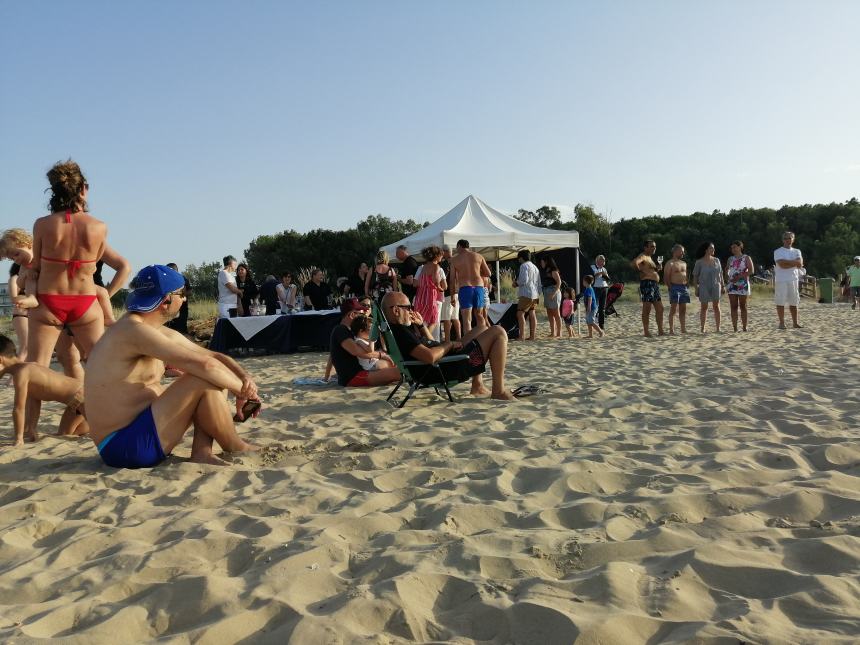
482	345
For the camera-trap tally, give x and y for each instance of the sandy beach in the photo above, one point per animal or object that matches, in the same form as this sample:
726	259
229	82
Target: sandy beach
695	489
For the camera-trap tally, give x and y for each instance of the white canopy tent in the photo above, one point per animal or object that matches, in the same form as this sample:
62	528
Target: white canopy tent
491	233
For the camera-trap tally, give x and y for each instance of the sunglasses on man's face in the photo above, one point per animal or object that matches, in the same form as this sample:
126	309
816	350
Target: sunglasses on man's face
409	307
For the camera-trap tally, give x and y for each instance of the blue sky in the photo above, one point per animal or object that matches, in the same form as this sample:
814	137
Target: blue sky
201	125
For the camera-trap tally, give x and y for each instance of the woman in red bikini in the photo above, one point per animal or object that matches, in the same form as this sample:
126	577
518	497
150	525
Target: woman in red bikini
66	246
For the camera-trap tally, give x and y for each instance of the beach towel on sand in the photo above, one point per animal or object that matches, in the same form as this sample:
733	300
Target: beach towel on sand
312	380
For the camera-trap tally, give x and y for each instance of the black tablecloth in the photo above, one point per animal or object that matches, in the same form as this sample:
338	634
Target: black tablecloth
285	335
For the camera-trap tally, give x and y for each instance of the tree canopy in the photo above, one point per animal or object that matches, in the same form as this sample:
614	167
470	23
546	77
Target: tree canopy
828	235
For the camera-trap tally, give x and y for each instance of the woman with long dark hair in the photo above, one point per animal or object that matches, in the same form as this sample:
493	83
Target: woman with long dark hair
551	284
245	282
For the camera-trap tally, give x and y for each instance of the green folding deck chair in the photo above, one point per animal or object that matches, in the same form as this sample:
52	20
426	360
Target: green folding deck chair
445	373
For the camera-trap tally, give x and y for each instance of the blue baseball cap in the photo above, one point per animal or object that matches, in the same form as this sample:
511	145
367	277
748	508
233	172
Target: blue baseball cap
151	285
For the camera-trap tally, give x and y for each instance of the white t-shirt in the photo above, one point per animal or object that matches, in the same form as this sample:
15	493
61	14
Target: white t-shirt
528	281
599	279
225	296
786	275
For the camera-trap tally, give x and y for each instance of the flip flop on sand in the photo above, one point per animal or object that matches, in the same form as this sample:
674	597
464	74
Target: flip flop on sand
527	390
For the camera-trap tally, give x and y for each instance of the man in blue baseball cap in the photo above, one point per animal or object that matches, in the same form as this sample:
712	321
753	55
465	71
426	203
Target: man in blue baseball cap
135	421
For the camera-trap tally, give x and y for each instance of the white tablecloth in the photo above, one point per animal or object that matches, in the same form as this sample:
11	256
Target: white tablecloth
250	326
495	310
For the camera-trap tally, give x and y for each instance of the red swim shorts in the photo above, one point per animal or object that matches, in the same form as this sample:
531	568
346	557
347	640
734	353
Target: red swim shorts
359	380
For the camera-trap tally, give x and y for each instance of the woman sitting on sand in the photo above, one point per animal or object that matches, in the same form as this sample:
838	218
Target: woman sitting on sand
708	278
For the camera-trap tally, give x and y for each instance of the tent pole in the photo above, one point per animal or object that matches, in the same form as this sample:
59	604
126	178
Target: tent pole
578	289
498	281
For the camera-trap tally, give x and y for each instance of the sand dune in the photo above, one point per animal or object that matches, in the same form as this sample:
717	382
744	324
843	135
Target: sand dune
697	489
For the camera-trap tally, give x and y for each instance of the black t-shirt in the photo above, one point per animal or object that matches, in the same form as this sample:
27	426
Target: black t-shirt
269	295
345	364
180	323
316	295
409	267
408	337
249	292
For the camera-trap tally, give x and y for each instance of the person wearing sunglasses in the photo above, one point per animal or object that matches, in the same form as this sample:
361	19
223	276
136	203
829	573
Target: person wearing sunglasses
136	422
481	344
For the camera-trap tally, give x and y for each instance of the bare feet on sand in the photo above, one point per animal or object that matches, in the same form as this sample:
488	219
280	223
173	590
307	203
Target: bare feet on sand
481	391
504	396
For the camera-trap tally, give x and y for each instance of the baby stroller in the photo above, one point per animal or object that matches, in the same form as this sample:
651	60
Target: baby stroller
612	295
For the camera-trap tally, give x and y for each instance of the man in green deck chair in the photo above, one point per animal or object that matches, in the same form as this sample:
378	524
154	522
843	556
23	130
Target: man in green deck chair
480	346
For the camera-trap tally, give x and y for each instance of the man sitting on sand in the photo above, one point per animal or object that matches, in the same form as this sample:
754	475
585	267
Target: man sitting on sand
135	421
480	344
34	384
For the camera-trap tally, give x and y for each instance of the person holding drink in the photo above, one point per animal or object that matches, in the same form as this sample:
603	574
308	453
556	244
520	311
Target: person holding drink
649	285
601	288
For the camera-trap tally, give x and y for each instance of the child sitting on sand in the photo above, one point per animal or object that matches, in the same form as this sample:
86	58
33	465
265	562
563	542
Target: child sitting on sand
568	306
34	384
360	328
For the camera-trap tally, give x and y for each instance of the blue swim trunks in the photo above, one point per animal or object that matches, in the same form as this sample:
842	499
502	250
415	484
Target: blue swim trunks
135	446
471	297
679	294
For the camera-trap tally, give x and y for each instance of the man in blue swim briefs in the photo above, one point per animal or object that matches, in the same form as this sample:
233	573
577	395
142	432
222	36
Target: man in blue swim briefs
468	270
135	421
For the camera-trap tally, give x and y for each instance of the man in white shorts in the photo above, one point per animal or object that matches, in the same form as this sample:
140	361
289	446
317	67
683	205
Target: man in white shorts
228	292
788	268
450	314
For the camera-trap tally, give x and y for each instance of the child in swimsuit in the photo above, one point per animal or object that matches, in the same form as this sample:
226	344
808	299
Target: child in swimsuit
360	328
568	306
34	384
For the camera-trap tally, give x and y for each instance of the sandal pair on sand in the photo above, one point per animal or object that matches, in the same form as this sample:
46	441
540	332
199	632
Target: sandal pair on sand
527	390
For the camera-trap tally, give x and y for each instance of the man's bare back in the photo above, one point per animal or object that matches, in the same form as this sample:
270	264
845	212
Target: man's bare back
468	269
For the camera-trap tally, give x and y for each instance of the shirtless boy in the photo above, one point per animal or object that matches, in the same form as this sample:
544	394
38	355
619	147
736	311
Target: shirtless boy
34	384
468	270
675	277
649	286
136	422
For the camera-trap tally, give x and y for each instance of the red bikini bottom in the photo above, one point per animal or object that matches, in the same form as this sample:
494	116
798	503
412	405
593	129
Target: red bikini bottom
67	308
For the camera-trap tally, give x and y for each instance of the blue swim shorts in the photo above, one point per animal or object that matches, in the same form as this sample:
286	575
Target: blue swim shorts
679	294
471	297
135	446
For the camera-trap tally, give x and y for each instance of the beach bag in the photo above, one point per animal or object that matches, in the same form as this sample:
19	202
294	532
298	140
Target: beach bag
425	299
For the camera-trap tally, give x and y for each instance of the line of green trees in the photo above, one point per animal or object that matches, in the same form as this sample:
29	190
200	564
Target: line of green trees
337	252
828	235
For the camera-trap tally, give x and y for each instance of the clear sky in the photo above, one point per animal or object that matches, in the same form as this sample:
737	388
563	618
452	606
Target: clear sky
201	125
